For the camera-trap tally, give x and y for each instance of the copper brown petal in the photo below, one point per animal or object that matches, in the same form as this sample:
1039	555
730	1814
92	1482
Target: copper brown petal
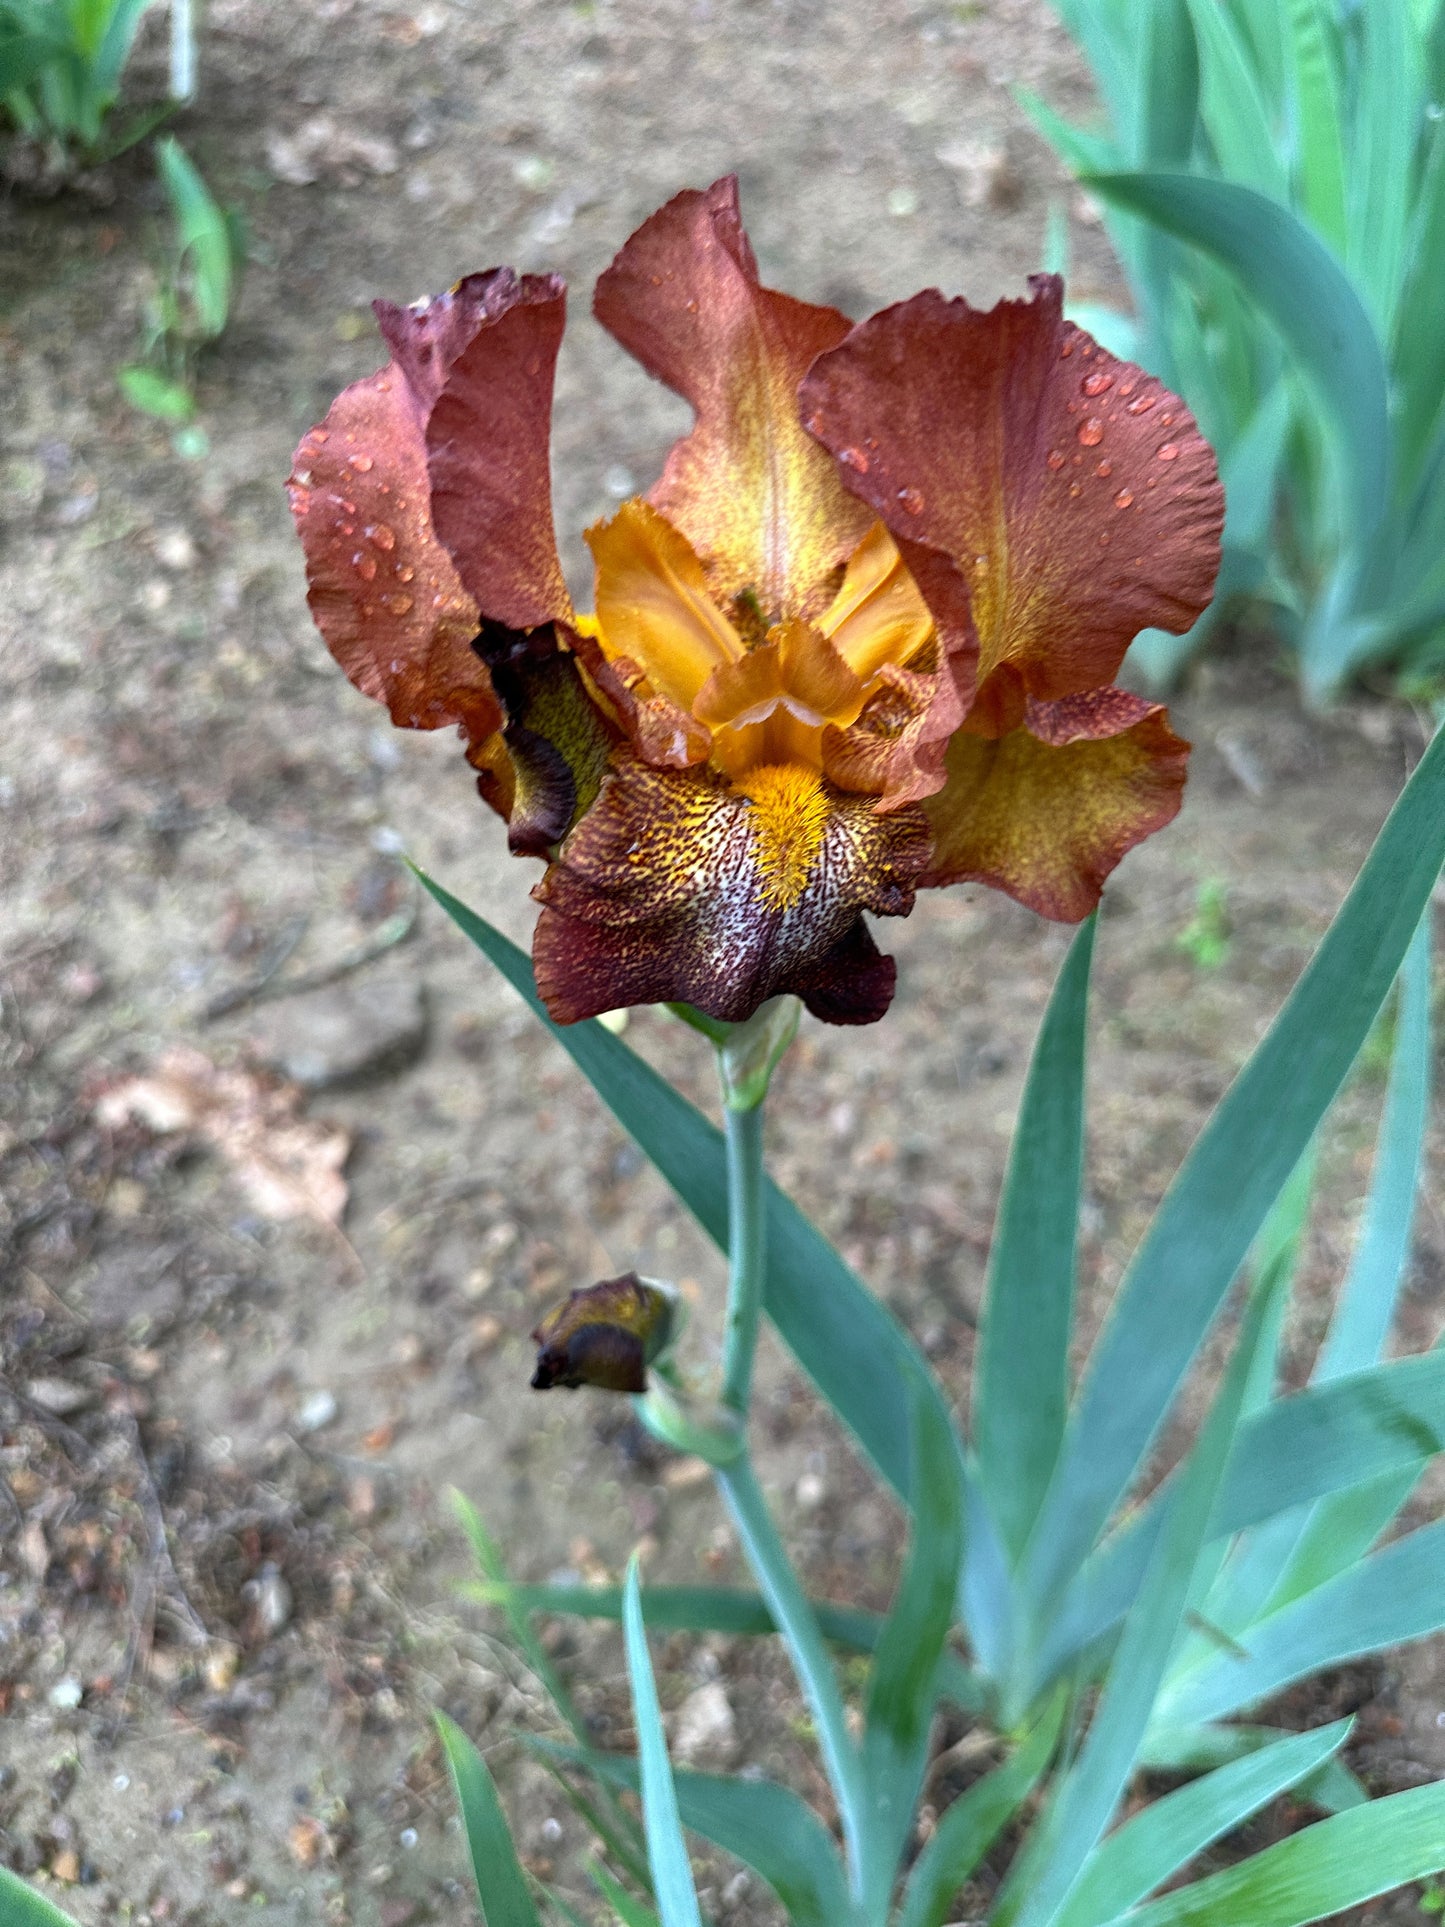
382	589
1073	491
662	894
897	748
488	438
1046	811
757	498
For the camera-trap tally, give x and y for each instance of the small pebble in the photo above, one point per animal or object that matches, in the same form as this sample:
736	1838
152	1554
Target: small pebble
316	1411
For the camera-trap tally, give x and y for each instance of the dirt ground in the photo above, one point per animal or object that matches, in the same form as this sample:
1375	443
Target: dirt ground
228	1572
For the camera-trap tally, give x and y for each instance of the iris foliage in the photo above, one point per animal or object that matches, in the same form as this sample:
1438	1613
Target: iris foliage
61	67
1273	177
1109	1623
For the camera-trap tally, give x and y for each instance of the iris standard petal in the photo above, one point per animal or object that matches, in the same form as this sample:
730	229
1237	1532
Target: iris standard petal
1074	492
488	437
757	498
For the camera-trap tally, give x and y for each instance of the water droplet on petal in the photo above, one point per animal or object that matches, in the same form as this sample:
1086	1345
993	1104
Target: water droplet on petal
1123	498
1103	541
405	573
1143	405
1106	469
1075	490
1091	432
1168	452
1126	388
398	604
365	566
361	463
1056	460
383	536
1166	421
1098	384
1066	350
854	458
321	434
911	501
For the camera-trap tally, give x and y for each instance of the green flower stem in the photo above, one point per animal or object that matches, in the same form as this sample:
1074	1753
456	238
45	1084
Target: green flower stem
746	1231
794	1617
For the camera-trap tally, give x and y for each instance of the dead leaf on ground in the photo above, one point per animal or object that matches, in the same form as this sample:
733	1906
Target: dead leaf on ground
288	1164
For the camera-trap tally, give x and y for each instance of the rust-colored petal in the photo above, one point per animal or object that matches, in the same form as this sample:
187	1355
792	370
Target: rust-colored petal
681	888
896	748
758	499
1073	491
1047	810
487	438
653	604
382	589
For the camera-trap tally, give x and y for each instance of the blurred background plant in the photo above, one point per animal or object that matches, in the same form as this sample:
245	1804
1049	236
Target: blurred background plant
1273	179
202	249
62	66
62	63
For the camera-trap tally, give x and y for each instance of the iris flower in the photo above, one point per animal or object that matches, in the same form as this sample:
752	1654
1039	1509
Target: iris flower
858	640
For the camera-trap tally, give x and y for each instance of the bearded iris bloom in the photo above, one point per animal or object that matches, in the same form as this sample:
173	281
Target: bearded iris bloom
859	639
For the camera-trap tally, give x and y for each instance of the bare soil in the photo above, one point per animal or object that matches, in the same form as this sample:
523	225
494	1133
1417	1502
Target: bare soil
228	1574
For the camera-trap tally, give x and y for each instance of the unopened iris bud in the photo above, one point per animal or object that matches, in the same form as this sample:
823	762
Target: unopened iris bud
605	1335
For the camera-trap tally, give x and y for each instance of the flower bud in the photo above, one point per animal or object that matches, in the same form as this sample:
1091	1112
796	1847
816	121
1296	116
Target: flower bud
605	1334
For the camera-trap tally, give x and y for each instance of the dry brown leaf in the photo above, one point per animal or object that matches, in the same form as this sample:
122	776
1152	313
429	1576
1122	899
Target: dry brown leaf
289	1165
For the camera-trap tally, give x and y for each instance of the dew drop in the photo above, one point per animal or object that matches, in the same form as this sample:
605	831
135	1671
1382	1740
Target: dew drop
405	573
365	566
1143	405
691	307
383	536
321	434
396	665
398	604
1091	432
1098	384
1168	452
1076	489
980	565
1056	460
1123	498
1103	541
347	508
1166	421
854	458
911	501
1066	350
1126	388
1105	469
361	463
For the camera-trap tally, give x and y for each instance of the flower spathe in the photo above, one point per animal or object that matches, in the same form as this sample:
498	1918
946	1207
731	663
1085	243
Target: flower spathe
857	640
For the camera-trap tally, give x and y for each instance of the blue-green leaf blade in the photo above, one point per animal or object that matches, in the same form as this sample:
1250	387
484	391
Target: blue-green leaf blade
1212	1212
904	1686
1043	1878
501	1884
1021	1383
1291	275
1397	1594
970	1826
1338	1863
1149	1849
666	1848
764	1825
22	1906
